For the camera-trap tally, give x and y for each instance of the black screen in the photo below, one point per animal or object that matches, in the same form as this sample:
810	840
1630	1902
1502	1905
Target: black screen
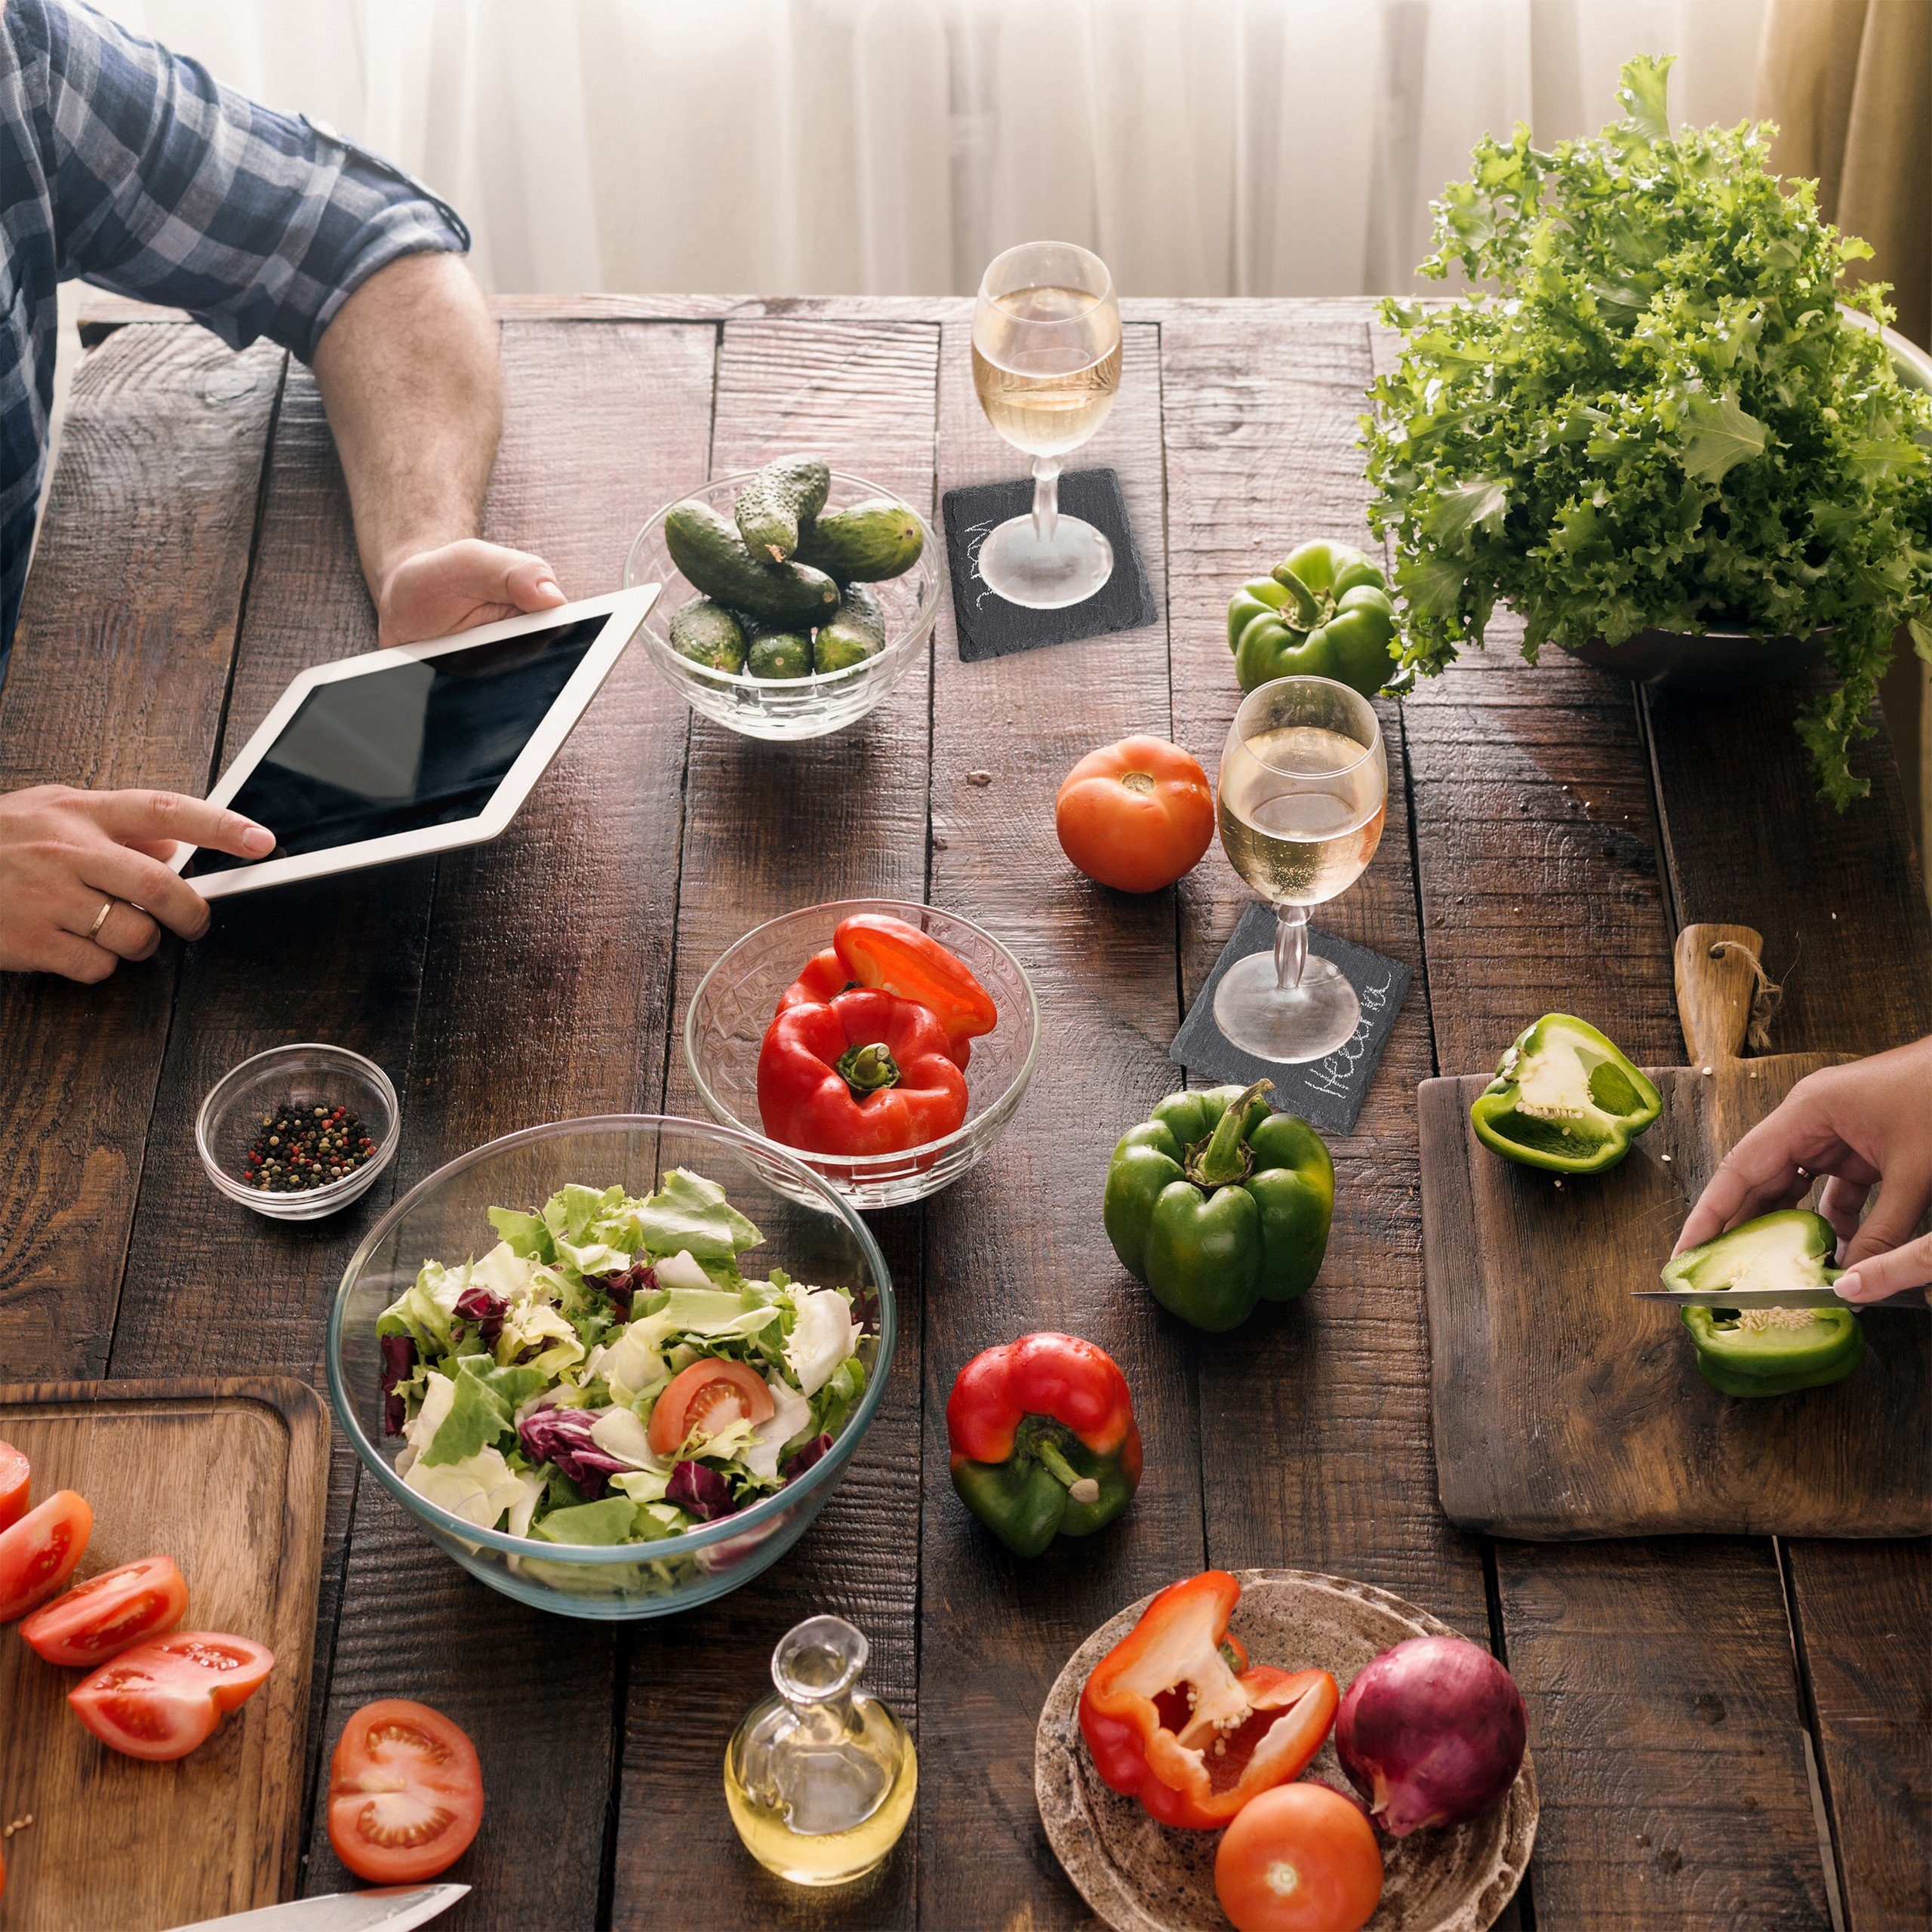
399	750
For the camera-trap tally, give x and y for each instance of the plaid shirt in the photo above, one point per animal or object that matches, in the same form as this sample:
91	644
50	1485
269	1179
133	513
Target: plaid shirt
134	170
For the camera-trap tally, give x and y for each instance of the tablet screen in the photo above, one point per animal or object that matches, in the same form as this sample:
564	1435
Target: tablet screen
406	747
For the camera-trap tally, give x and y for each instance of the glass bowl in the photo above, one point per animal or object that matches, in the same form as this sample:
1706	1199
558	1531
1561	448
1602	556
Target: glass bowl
808	1230
786	708
307	1074
725	1023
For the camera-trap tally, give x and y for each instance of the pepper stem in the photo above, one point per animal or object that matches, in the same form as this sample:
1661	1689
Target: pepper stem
868	1069
1061	1470
1308	606
1225	1157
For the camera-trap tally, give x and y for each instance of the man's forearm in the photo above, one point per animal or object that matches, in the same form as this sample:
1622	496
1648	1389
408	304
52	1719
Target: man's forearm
408	374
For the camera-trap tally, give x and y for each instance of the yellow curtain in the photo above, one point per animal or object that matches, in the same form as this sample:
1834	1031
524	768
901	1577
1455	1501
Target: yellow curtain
1849	83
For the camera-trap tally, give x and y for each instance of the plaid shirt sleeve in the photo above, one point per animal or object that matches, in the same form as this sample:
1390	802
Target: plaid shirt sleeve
170	188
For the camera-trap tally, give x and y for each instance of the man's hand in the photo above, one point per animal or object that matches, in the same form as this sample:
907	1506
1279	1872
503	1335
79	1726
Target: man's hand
1858	1125
456	586
64	854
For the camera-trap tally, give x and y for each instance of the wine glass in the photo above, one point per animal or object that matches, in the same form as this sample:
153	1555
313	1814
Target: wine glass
1046	362
1303	791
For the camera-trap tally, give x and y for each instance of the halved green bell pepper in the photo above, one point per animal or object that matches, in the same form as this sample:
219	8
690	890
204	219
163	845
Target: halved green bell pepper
1565	1098
1217	1202
1762	1351
1325	612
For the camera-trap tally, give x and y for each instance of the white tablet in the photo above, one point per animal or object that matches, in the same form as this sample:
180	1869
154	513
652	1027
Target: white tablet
420	749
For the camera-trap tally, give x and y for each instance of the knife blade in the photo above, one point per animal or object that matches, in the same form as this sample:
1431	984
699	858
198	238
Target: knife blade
387	1909
1778	1298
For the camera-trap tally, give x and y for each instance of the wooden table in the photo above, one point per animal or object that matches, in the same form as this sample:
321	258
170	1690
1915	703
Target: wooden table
1703	1710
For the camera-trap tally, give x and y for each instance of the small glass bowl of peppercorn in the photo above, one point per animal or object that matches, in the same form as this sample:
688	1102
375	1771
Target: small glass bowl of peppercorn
298	1132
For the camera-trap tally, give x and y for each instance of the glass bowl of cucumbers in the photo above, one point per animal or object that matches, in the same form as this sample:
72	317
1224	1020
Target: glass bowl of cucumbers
795	597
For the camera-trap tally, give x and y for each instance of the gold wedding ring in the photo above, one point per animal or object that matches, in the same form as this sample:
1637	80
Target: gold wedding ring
100	919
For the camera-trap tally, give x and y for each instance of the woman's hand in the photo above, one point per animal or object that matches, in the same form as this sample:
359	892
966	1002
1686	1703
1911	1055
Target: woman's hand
65	854
1858	1125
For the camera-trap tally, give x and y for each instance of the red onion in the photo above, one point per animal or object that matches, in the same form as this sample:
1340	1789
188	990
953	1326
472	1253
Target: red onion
1430	1733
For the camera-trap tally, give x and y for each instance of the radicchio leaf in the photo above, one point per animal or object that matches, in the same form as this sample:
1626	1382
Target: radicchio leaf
640	1279
795	1465
701	1490
398	1364
562	1437
487	1308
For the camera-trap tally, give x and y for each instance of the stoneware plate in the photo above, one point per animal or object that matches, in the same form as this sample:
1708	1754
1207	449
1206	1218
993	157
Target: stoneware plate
1141	1876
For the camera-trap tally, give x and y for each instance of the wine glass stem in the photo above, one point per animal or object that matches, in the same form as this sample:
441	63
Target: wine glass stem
1290	946
1046	498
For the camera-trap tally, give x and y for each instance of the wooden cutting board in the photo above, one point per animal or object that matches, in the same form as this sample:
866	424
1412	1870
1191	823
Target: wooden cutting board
1562	1408
229	1478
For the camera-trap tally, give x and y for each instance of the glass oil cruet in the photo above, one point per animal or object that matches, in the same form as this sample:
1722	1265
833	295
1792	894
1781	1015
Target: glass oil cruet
821	1778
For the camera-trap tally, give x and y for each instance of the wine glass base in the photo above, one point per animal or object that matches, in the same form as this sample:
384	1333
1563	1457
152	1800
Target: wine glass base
1069	568
1309	1022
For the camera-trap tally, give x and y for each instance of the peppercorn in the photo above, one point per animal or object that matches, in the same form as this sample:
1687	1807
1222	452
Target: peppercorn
302	1148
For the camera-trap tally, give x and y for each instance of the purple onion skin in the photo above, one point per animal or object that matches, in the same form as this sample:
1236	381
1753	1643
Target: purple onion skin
562	1437
398	1365
701	1490
795	1465
1432	1733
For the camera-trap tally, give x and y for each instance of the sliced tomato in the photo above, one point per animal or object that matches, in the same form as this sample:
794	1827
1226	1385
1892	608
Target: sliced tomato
711	1396
896	957
163	1697
13	1474
405	1793
107	1613
38	1554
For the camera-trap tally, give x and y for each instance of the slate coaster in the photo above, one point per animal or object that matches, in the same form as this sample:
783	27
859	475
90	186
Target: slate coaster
1327	1093
988	625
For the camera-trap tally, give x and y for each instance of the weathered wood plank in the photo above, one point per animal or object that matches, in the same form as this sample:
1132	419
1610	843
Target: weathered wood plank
769	829
544	996
155	495
1017	1244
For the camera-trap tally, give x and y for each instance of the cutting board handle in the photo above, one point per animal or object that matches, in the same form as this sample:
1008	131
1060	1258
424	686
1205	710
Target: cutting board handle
1715	984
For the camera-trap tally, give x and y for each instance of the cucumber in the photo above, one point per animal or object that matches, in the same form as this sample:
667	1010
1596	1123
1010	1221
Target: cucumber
857	632
711	554
867	543
782	495
780	654
708	634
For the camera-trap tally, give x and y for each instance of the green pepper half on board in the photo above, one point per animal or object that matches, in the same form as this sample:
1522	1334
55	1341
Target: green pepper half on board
1768	1351
1565	1098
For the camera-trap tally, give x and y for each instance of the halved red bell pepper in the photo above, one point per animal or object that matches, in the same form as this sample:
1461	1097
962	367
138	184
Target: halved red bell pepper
878	950
825	977
1168	1720
863	1073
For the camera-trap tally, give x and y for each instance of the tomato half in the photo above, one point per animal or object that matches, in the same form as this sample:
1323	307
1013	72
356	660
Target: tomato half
711	1396
1137	815
895	956
13	1474
38	1554
1299	1858
405	1793
163	1697
107	1613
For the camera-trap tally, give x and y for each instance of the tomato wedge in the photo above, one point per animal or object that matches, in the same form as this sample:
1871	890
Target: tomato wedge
107	1613
13	1474
38	1554
710	1395
880	951
405	1793
163	1697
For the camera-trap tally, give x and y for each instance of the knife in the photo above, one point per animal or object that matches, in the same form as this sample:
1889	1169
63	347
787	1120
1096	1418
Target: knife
388	1909
1779	1298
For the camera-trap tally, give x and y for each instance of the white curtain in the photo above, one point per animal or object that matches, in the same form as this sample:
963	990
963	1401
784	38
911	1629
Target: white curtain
1203	147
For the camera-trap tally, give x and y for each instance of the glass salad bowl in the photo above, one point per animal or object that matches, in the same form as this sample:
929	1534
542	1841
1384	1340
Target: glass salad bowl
725	1023
808	1231
787	708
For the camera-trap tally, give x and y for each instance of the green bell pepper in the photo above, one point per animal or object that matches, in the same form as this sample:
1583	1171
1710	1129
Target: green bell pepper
1217	1202
1325	612
1761	1351
1565	1098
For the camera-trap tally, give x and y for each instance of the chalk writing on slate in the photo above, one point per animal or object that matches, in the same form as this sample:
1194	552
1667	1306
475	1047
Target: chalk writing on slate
1327	1093
988	625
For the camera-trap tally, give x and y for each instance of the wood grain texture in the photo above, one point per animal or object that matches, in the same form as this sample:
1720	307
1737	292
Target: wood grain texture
769	829
155	497
1017	1244
544	996
217	1831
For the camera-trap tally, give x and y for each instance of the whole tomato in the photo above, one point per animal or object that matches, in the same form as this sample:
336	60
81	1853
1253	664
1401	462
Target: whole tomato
1300	1858
1136	815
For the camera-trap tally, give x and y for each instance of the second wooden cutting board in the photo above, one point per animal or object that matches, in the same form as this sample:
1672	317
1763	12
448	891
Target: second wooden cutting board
1563	1408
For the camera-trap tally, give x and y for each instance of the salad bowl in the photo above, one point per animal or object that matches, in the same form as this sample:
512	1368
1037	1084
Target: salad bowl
807	1234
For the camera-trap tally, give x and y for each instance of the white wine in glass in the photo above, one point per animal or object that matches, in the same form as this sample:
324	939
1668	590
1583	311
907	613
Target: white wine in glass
1303	792
1046	363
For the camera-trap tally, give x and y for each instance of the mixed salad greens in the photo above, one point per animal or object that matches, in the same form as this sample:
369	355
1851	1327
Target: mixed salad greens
607	1374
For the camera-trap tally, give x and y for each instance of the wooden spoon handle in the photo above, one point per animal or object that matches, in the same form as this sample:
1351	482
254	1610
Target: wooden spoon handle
1714	986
